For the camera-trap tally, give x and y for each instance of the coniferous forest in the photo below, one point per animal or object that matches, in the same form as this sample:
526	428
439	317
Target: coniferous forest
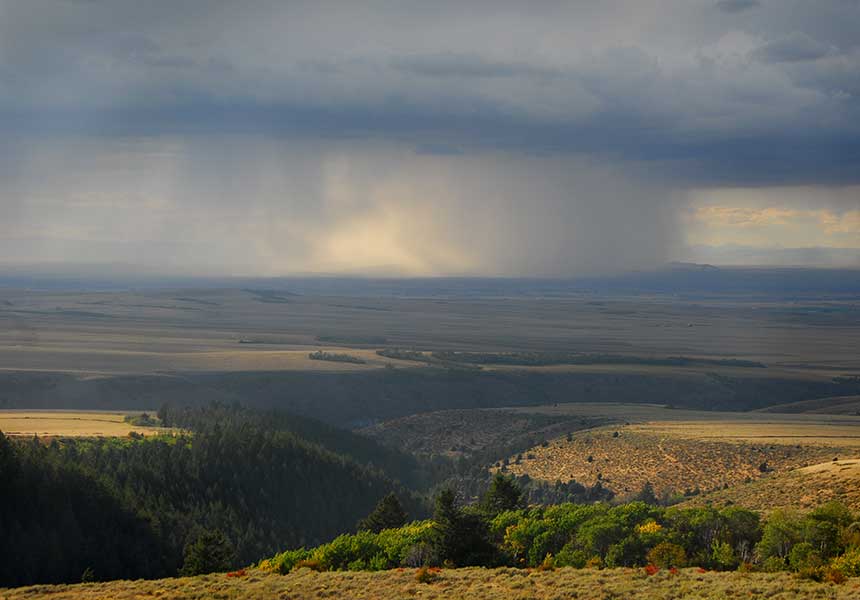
134	507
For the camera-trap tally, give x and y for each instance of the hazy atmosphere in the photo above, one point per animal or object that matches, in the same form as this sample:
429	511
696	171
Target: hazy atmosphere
474	300
277	138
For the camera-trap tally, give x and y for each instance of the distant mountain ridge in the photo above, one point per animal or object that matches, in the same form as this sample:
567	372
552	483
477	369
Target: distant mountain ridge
671	278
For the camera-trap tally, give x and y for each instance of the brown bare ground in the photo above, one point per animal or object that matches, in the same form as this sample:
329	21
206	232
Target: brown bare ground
675	457
801	489
465	584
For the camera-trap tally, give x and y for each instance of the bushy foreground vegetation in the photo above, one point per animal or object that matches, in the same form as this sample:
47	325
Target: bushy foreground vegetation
500	531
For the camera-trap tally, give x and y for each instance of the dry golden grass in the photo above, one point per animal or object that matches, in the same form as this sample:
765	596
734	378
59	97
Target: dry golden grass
679	456
465	584
801	489
18	423
770	432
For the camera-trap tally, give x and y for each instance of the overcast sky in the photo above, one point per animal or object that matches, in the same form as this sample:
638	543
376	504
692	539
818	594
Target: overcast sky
429	138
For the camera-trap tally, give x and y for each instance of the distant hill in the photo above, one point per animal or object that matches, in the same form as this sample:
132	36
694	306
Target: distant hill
802	488
677	277
834	405
363	398
625	458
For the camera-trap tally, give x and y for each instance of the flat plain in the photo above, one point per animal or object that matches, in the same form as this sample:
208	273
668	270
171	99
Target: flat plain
241	329
139	349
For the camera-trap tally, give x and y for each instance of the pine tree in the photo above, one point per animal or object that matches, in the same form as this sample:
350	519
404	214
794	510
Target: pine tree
503	494
646	494
460	536
209	553
388	514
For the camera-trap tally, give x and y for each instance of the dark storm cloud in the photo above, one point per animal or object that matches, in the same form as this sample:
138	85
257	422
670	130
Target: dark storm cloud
793	48
617	77
410	137
734	6
457	65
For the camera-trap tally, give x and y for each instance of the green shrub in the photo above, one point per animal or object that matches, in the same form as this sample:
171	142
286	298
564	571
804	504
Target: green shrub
666	555
570	556
628	553
773	564
362	551
284	562
723	556
848	563
803	556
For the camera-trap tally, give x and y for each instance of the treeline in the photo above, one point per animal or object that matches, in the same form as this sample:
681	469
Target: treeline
397	465
579	358
363	397
130	508
469	477
541	359
336	357
501	531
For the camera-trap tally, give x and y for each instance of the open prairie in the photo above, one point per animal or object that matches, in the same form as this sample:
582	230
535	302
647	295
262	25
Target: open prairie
65	424
139	349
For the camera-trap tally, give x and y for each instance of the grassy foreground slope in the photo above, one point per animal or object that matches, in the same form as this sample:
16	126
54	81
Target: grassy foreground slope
465	584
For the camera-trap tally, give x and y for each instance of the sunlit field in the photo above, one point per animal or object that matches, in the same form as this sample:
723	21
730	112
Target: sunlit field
65	424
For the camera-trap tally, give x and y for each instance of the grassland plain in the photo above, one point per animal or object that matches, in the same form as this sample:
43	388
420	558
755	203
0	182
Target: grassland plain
684	456
465	584
798	489
147	331
130	350
65	424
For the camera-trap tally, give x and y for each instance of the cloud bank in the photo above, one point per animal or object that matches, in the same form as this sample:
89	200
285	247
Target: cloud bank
414	138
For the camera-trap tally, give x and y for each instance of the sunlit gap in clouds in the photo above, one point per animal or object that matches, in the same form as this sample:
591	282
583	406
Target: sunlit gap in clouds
227	204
